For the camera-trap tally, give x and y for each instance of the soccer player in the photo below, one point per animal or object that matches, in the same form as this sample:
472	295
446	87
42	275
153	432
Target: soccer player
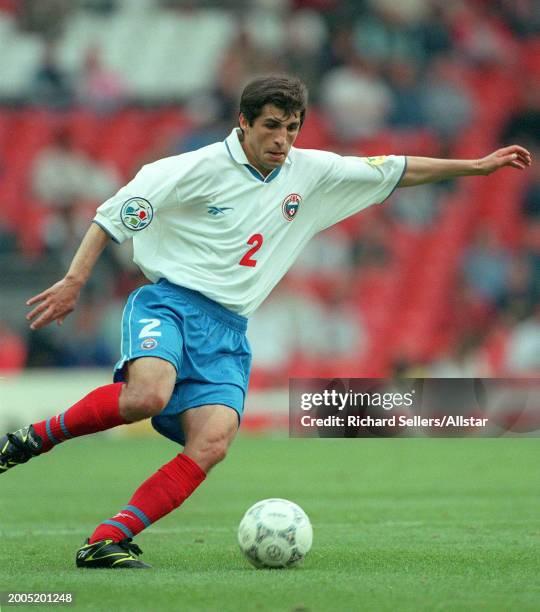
214	230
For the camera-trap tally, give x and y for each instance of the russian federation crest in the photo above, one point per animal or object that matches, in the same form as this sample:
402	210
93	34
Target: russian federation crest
136	214
290	206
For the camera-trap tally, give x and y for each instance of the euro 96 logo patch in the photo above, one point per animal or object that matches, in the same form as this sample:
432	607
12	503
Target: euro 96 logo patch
136	214
375	161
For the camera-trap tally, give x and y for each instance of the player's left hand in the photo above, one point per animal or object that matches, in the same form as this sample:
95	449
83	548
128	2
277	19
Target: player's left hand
513	156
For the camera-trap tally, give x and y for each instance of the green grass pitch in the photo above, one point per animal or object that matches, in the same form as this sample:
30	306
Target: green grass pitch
398	525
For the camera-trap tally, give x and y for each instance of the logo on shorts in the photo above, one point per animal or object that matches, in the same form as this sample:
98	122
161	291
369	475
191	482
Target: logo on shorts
290	206
136	214
148	344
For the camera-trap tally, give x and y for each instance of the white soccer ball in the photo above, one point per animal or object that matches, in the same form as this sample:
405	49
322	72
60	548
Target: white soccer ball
275	533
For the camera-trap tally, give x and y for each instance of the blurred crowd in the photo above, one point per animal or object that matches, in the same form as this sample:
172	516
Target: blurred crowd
418	77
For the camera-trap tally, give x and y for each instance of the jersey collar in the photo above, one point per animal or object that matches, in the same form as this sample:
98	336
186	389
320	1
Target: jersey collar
235	150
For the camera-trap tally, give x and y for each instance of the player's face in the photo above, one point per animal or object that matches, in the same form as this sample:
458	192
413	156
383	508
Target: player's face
268	141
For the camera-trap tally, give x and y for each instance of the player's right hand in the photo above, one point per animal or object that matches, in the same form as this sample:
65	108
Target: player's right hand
53	304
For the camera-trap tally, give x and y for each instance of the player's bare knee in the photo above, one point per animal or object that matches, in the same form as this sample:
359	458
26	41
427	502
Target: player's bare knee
139	404
217	451
207	454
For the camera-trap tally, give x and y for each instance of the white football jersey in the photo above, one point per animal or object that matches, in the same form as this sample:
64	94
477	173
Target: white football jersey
209	221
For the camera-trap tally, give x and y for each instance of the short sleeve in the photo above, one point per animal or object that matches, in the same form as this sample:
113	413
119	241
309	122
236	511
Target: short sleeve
352	184
133	207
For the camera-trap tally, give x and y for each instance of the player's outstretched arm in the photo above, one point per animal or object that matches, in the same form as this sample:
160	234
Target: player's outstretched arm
430	170
56	302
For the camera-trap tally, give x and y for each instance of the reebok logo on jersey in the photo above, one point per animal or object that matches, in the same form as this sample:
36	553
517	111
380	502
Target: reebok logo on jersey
136	214
215	211
290	206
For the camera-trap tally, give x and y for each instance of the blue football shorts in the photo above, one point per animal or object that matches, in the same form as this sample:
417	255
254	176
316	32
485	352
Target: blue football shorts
204	341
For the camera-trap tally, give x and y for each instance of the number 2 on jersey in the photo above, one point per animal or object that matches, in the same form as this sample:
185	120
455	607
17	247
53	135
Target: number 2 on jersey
247	260
147	330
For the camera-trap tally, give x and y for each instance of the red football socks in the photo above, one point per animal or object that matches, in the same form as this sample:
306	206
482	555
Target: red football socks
98	411
157	496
